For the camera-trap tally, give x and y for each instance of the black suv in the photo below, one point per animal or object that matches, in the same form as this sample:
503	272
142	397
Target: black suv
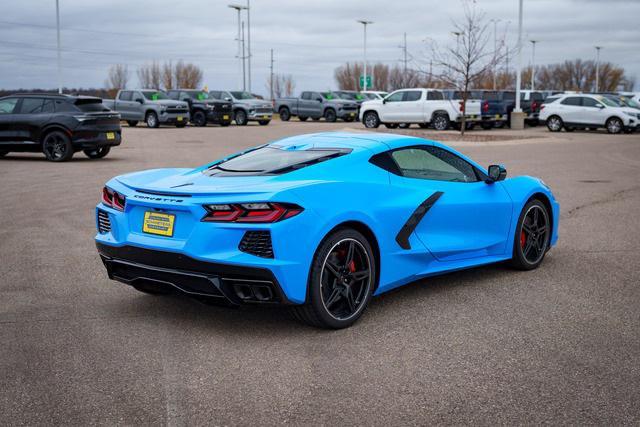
57	125
203	108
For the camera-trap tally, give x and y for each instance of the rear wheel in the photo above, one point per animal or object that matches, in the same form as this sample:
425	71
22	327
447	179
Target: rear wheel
371	120
404	125
152	120
56	146
263	122
486	125
341	281
199	118
391	125
554	124
315	119
441	122
302	118
532	236
132	123
614	125
241	118
423	125
330	115
285	114
97	153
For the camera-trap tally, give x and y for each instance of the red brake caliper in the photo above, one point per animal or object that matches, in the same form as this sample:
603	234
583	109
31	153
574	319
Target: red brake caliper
523	239
352	266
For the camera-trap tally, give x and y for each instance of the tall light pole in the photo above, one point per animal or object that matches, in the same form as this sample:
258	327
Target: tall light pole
58	36
457	34
533	63
240	54
517	109
495	51
598	67
364	24
249	44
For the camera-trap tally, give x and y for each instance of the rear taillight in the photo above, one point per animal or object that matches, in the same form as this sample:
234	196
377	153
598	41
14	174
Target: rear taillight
542	107
462	106
113	199
485	107
250	212
534	105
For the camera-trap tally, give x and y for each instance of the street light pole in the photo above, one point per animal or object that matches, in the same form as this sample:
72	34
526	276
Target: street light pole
365	23
249	45
533	63
598	67
457	34
517	109
240	54
58	37
495	52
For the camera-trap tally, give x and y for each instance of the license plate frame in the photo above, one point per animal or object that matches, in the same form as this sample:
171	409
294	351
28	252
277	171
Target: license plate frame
158	223
179	118
110	136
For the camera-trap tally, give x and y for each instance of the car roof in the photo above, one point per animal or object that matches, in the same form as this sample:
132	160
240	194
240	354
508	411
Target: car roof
61	96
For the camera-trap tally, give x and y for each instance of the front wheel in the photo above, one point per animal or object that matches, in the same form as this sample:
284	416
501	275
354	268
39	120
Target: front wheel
132	123
152	120
341	281
554	124
57	146
330	115
97	153
241	118
199	118
285	114
371	120
614	125
302	118
263	122
532	236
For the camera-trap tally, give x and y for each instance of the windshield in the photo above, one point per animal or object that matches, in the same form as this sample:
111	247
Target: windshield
241	95
200	96
153	95
271	160
607	102
330	95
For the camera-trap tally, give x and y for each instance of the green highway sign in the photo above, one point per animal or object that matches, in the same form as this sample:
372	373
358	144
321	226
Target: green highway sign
368	82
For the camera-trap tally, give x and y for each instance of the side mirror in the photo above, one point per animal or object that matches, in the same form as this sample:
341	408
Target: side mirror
384	100
319	99
139	100
600	106
496	173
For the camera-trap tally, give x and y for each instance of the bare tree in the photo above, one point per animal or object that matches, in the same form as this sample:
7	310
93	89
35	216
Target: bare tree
149	75
168	80
348	76
188	76
283	85
399	78
288	84
465	62
117	78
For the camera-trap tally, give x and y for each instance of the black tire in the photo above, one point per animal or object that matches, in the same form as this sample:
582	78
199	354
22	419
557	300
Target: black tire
371	120
391	125
3	153
241	118
569	129
181	125
152	288
199	118
97	153
441	122
614	125
423	125
152	120
302	118
56	146
486	125
285	114
531	240
404	125
349	119
315	119
554	123
330	115
328	304
592	129
225	124
470	125
132	123
263	122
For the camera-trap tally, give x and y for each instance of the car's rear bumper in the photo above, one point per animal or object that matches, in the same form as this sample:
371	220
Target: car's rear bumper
234	284
88	139
223	117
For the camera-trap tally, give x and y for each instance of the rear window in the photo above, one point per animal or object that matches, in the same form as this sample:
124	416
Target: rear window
490	96
90	105
272	160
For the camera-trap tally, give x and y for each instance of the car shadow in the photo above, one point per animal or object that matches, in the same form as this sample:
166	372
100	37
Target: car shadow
41	158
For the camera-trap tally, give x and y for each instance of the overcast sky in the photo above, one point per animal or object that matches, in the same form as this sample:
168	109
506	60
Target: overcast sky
309	38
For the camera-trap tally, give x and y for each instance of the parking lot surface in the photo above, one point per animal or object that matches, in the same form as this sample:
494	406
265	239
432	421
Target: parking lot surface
560	344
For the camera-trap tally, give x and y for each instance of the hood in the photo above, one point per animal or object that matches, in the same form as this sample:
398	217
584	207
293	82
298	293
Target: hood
372	102
342	101
253	101
170	103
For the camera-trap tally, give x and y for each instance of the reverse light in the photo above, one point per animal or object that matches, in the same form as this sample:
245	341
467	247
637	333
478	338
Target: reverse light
251	212
113	199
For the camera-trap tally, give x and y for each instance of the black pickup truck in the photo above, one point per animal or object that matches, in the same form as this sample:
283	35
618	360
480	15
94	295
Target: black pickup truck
496	107
203	108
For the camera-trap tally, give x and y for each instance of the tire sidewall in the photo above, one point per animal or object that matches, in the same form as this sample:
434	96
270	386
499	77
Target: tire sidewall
240	118
152	120
314	290
518	257
330	115
68	147
437	119
199	118
550	119
612	120
371	114
285	114
99	152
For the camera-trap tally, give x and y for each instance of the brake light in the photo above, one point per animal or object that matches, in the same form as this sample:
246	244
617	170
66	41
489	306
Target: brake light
462	106
250	212
534	105
113	199
485	107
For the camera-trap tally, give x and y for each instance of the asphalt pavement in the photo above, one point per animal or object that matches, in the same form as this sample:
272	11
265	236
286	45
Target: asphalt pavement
558	345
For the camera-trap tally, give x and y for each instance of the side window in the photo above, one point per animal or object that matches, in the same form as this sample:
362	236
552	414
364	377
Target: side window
125	95
306	95
47	106
412	95
589	102
8	105
184	96
63	106
434	96
172	94
433	163
396	96
215	94
31	106
571	100
316	95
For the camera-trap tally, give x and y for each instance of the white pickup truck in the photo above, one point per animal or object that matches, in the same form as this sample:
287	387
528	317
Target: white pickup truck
425	107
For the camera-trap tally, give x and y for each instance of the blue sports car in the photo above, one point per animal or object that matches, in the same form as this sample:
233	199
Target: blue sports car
320	222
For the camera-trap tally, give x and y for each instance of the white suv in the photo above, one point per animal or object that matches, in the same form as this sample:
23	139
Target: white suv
577	111
421	106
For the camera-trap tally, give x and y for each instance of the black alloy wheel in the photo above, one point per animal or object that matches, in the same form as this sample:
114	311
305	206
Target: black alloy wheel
199	118
341	281
330	115
56	146
532	236
97	153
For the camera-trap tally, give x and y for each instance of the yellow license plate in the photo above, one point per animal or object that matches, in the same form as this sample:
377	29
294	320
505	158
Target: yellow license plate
265	117
225	117
158	223
111	135
179	118
473	117
352	114
498	116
